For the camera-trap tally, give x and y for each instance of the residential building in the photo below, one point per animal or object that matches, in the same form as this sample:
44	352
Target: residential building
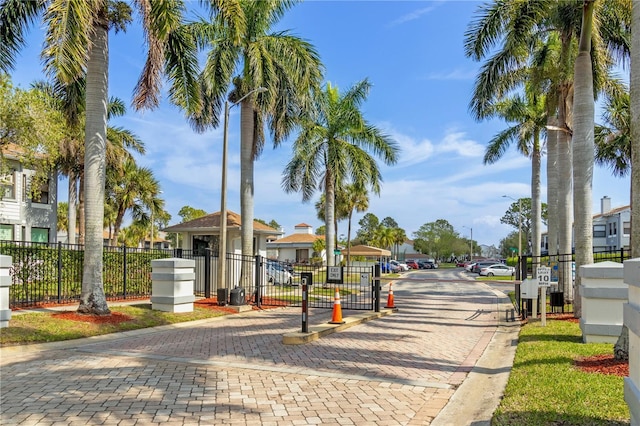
611	228
26	213
297	247
203	232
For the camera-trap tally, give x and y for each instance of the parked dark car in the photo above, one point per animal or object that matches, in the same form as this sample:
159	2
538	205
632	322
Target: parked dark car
427	264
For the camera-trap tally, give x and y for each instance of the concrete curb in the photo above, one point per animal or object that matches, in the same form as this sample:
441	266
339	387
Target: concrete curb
318	331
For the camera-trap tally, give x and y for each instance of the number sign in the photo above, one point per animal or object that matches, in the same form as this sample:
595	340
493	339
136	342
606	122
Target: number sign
544	276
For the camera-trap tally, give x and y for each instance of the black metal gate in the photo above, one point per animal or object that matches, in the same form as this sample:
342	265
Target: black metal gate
280	284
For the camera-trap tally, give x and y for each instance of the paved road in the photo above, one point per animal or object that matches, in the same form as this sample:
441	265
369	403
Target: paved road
402	369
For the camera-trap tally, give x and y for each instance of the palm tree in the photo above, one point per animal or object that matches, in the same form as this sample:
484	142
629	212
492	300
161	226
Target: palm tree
76	45
132	189
613	138
523	25
356	199
384	237
241	42
399	237
530	118
333	147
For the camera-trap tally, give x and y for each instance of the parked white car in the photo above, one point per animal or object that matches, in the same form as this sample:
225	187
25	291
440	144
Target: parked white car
498	269
401	265
277	274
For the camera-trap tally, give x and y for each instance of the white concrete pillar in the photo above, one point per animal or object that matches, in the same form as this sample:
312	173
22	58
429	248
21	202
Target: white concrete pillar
172	285
5	283
632	321
603	293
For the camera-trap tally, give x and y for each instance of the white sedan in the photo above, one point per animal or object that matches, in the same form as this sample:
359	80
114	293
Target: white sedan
401	266
498	269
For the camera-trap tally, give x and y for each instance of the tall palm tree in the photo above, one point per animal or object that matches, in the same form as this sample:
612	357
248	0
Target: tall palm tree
77	44
384	237
333	146
530	118
613	138
245	54
521	26
134	189
357	199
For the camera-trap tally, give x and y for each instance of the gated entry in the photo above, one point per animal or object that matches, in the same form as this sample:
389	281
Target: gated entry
279	288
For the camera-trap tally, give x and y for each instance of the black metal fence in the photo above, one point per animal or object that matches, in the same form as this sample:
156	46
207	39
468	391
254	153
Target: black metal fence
51	273
563	273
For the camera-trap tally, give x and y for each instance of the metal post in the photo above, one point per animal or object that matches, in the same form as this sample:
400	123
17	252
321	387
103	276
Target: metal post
207	272
124	270
376	288
59	272
305	307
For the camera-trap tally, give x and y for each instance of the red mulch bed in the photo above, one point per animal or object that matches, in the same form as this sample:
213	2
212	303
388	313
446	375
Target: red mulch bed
602	364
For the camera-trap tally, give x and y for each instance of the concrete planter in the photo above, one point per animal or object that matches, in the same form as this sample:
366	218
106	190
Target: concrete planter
632	321
603	293
172	283
5	283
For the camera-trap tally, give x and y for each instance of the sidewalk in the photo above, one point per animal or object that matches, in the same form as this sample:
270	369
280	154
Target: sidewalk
441	359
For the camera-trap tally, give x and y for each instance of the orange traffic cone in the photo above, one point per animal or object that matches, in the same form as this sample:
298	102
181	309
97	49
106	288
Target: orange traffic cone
390	297
336	318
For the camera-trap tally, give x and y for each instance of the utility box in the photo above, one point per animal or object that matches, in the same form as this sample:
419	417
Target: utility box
223	295
237	296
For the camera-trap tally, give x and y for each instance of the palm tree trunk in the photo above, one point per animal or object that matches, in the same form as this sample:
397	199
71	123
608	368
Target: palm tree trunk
246	186
92	299
552	189
583	153
565	199
72	206
621	348
81	206
536	203
330	202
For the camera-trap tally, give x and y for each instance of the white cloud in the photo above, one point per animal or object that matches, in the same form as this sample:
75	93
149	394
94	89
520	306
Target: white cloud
456	74
412	16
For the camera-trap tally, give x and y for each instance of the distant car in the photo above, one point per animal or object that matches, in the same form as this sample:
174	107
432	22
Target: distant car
278	274
498	269
412	264
460	264
401	265
469	266
479	265
431	264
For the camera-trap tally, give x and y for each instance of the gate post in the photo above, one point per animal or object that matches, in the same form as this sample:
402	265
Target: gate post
207	273
59	272
376	288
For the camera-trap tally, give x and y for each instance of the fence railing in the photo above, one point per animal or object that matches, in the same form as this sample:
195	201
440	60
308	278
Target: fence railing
51	273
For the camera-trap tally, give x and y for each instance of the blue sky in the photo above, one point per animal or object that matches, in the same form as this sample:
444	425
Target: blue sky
412	53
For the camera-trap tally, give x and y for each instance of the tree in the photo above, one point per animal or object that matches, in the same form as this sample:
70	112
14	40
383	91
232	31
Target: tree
613	138
320	230
368	225
435	238
356	199
241	41
514	217
384	237
77	45
188	213
133	189
529	115
334	146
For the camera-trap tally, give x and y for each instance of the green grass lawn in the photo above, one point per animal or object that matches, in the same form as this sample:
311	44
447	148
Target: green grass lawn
545	388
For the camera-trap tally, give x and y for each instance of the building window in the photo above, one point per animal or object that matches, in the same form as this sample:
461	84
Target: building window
6	232
39	235
41	196
599	231
9	185
626	228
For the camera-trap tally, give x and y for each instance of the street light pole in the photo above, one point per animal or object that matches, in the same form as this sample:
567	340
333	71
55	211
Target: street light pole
222	244
151	212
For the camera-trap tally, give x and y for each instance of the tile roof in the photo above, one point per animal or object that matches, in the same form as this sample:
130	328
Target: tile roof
298	239
212	221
